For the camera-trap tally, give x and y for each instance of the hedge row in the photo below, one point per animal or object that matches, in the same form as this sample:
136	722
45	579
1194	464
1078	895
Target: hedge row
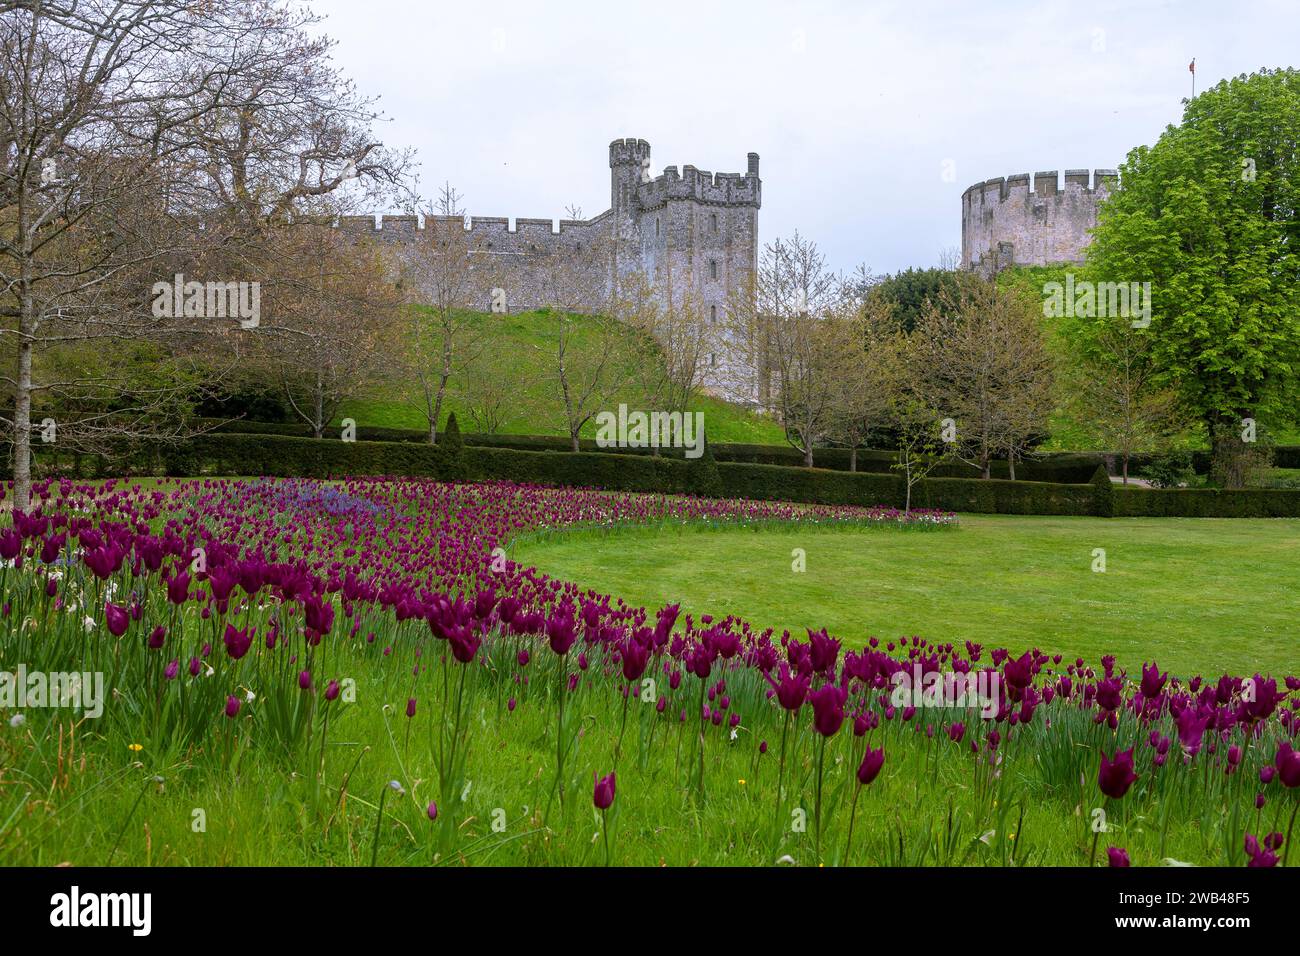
1067	467
281	456
1060	467
1208	503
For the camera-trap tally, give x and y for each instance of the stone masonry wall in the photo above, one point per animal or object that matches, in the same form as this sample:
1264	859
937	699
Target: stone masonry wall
690	230
1007	221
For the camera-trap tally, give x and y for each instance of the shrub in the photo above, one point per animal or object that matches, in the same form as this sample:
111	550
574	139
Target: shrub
451	448
285	456
1208	503
1103	493
1169	471
703	478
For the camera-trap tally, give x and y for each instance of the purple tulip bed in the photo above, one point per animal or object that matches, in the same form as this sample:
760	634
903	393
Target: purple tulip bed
302	672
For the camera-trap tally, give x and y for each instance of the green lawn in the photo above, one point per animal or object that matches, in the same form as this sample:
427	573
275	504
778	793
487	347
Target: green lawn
1197	595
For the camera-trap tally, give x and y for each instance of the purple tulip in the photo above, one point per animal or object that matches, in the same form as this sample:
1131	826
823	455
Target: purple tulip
603	792
1118	856
116	618
1287	762
232	706
1261	855
238	642
1116	775
869	769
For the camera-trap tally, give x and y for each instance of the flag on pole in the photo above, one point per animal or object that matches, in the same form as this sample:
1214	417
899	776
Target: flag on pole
1191	67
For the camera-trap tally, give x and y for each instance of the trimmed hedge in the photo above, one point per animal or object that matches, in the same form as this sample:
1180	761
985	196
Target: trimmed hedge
283	456
1207	503
1068	467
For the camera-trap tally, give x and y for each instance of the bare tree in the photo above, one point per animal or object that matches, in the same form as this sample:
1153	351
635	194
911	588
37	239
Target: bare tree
864	380
585	342
332	319
1116	394
780	339
670	346
496	392
140	136
446	274
983	362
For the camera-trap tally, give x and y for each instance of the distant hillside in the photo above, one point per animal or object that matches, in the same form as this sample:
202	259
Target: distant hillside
523	359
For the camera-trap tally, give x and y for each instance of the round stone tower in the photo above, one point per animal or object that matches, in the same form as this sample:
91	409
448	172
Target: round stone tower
1011	222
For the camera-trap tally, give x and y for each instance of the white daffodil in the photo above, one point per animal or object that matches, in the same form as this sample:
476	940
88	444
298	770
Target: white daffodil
90	624
17	720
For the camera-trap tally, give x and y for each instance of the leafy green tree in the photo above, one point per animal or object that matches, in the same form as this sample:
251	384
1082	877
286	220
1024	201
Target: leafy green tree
1210	216
907	293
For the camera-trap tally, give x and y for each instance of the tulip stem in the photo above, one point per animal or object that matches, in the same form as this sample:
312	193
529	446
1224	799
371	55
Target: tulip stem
618	747
780	774
559	738
702	726
853	812
1290	826
821	759
374	852
125	822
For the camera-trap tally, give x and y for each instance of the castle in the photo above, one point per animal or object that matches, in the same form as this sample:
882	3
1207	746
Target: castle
1007	222
690	232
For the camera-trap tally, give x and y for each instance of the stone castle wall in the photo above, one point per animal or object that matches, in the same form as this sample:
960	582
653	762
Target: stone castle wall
687	231
1011	221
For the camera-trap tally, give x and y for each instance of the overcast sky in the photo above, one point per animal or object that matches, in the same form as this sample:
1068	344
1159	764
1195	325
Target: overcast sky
870	119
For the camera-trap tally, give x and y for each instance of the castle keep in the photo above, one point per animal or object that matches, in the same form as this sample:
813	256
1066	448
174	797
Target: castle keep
1006	222
689	231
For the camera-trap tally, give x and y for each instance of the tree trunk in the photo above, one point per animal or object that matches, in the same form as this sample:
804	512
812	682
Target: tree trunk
573	436
437	409
23	422
853	458
318	420
1228	457
807	456
1011	466
1124	468
23	398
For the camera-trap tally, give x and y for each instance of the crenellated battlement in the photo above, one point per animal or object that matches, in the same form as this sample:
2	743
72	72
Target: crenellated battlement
1031	220
692	233
397	227
699	185
1045	184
